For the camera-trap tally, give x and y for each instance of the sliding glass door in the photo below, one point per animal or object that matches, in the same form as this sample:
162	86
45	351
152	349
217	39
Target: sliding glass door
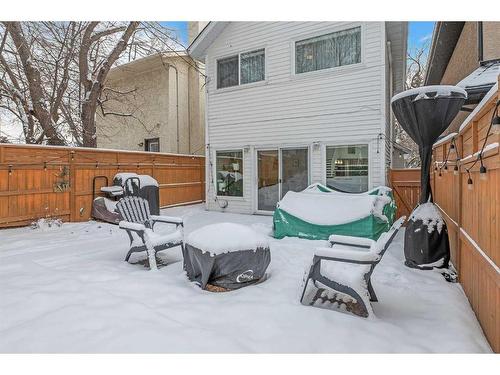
279	171
268	179
294	170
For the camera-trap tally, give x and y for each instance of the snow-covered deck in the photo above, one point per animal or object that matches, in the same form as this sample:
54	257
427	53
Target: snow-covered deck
68	290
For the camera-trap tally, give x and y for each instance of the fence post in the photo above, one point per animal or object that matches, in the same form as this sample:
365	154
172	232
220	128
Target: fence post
72	185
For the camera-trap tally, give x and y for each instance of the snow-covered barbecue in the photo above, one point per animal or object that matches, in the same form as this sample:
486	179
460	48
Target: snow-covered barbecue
124	184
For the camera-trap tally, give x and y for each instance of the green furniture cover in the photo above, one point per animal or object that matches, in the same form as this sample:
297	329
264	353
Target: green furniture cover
318	212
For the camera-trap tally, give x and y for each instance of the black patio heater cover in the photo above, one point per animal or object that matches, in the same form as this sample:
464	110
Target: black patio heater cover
425	113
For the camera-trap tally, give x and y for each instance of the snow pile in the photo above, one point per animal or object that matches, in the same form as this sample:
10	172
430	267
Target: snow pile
351	275
333	209
487	148
110	204
147	180
378	209
424	92
123	176
226	237
318	188
46	223
482	76
70	291
430	216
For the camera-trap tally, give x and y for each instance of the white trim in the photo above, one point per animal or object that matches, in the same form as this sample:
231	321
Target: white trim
214	169
480	251
336	69
479	107
278	148
344	144
240	85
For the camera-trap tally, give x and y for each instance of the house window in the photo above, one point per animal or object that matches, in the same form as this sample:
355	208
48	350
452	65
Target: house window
252	66
152	144
347	170
328	51
227	72
241	69
229	173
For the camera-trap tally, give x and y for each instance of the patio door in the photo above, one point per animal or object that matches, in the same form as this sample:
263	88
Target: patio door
280	170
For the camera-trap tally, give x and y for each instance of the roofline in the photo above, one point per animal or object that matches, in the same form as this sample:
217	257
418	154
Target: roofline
197	48
198	37
142	60
436	65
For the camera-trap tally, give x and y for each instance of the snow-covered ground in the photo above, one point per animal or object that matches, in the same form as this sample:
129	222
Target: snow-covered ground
67	289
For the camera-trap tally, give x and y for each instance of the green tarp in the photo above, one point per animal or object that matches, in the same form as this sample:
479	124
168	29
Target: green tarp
371	226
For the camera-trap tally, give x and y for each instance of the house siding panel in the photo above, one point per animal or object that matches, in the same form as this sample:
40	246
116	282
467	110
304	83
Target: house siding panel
339	106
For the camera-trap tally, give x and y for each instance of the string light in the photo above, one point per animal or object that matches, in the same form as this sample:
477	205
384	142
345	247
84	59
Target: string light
482	173
96	165
455	170
469	181
10	169
45	166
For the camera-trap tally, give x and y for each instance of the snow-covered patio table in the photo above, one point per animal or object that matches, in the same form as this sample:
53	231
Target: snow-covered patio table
226	255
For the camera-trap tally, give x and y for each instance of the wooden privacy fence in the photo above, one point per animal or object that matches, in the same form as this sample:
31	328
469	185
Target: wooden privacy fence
51	181
405	184
472	212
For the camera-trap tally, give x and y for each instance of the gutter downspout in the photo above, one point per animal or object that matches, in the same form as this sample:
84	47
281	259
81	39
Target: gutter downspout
176	100
480	47
189	108
391	92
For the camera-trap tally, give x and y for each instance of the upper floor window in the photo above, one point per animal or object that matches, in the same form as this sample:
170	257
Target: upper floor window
240	69
328	51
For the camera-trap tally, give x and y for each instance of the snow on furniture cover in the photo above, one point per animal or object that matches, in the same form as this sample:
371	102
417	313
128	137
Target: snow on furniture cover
318	215
320	188
226	255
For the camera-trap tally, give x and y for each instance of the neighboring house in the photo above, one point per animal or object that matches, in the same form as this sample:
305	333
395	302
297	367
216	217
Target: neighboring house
466	54
155	104
292	103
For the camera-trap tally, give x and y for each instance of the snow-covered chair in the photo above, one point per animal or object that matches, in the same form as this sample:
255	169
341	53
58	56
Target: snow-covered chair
138	220
339	276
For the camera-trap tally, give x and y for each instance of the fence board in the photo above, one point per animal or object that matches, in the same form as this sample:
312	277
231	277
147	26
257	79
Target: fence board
473	218
47	181
405	184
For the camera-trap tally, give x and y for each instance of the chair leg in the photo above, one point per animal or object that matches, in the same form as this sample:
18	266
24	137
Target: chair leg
128	255
373	296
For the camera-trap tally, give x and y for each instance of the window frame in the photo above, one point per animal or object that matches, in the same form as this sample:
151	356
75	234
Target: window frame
214	173
335	69
147	142
240	85
363	142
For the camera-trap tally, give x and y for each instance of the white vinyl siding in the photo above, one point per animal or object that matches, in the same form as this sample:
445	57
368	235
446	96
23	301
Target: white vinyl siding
326	107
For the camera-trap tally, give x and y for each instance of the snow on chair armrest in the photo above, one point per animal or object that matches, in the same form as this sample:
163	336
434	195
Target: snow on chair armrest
137	227
351	240
167	219
347	255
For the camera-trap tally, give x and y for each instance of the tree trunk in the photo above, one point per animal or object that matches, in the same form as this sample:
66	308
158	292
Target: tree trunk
38	99
93	88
